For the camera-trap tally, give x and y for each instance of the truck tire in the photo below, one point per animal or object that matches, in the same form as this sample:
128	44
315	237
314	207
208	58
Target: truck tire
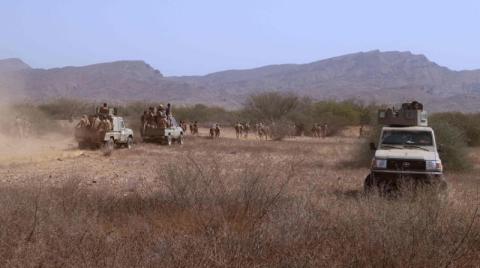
129	143
168	140
109	145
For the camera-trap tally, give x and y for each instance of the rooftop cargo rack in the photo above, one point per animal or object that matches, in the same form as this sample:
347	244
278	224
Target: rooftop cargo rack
410	114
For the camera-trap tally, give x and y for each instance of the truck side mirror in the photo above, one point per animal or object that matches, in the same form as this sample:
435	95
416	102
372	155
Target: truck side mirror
372	146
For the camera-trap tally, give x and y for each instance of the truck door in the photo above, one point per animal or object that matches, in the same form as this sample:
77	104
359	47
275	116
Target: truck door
122	137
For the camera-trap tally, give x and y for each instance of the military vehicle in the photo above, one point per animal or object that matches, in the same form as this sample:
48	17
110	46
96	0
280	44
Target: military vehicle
91	136
158	127
406	151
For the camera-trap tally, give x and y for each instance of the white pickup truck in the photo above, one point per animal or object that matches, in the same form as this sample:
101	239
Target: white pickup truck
405	152
167	135
119	135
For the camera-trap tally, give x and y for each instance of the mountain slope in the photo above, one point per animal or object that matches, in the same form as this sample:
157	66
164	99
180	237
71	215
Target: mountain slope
12	65
381	77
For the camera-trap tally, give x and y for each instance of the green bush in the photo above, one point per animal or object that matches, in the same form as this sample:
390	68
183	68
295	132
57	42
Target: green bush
271	106
453	146
467	123
66	109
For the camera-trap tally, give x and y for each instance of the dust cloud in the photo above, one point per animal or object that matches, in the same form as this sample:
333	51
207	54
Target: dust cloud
19	141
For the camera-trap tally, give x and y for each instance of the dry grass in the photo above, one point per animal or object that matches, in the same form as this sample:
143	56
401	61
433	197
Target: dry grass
231	203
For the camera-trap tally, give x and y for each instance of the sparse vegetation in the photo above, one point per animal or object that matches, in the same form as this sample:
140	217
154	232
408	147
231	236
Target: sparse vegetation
243	212
468	124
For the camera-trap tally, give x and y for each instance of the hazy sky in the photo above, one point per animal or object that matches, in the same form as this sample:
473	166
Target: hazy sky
181	37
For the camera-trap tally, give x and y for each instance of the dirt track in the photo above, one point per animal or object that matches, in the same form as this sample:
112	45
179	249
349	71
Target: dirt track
49	161
52	159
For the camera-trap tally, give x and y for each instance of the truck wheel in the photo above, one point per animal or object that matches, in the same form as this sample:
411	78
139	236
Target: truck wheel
180	140
168	140
130	143
109	145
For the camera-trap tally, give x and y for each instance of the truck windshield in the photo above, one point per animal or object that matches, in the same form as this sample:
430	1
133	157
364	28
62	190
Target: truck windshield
398	137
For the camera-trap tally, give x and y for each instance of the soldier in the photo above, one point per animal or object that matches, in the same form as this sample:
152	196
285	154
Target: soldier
84	123
212	131
108	125
191	129
238	129
246	129
183	124
168	111
95	123
162	122
217	130
195	128
150	123
324	130
104	111
161	111
314	130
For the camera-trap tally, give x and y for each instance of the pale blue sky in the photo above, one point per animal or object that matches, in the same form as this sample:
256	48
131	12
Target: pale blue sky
181	37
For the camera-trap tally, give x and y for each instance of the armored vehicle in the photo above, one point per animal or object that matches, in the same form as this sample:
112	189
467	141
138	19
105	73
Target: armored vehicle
406	150
94	131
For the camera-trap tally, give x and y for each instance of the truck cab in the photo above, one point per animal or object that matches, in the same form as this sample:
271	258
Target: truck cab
406	151
119	135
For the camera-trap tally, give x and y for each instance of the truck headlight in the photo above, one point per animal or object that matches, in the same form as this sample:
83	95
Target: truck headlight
433	165
379	163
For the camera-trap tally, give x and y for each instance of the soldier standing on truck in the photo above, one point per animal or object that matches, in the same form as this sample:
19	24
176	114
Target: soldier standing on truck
168	111
104	110
150	118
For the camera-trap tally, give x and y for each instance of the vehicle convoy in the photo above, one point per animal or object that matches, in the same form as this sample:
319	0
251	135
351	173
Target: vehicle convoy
104	128
158	125
406	151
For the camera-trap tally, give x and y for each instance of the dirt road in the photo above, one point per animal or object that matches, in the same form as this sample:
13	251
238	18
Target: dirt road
52	160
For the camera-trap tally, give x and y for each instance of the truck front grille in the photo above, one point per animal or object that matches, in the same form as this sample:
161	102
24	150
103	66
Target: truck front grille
403	164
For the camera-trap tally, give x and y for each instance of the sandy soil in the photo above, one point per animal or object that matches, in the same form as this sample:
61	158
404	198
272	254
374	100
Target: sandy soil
52	159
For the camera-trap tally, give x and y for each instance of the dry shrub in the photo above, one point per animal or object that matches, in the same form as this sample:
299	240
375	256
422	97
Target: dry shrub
281	129
204	213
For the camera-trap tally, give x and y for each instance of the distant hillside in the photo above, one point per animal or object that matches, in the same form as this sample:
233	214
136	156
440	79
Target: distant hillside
12	65
115	81
381	77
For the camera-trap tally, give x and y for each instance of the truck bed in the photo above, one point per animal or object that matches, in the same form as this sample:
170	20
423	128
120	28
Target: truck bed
89	136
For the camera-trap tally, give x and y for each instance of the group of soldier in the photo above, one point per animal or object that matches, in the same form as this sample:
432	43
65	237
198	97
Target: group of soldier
157	117
242	129
101	122
193	127
319	130
215	131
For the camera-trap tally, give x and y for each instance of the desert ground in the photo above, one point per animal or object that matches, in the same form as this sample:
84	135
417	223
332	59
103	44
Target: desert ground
223	202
